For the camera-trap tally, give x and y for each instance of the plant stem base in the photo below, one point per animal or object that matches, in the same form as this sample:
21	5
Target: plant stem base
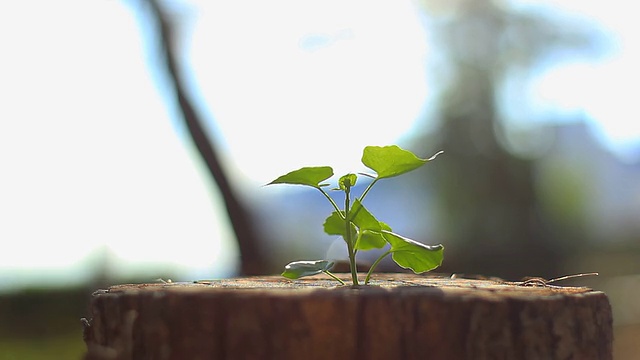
398	316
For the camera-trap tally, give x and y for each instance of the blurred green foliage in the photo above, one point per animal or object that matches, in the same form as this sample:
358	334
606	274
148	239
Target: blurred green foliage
43	324
66	345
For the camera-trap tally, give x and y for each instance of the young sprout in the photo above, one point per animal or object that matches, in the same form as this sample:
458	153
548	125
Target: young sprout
359	229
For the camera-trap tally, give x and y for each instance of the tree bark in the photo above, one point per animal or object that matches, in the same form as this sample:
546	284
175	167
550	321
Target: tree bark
399	316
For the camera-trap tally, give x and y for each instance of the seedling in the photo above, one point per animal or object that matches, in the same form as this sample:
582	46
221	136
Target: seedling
355	224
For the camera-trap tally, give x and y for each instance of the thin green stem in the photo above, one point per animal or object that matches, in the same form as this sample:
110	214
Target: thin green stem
361	198
355	243
366	191
333	203
335	277
349	240
373	266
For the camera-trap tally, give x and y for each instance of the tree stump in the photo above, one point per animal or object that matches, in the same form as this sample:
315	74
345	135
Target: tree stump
398	316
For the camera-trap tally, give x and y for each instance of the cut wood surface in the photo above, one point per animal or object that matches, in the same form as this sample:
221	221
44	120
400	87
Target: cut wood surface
398	316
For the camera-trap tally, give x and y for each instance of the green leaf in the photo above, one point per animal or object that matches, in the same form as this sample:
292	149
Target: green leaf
347	181
410	254
368	225
334	224
370	240
310	176
390	161
298	269
363	219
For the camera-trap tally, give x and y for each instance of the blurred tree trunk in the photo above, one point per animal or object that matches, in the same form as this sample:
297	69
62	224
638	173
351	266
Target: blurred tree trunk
253	261
487	197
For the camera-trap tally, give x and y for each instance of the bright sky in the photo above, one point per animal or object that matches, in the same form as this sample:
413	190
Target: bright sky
308	87
90	156
603	90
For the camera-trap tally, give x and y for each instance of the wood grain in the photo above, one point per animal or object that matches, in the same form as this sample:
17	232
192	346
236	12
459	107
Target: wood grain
400	316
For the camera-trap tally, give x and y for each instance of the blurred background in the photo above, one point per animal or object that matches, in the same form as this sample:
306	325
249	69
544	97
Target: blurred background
136	137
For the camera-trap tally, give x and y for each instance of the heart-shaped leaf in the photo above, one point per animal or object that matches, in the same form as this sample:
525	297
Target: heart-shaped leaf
410	254
390	161
298	269
310	176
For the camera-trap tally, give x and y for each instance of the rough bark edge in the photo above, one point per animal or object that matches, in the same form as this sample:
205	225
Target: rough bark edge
451	321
